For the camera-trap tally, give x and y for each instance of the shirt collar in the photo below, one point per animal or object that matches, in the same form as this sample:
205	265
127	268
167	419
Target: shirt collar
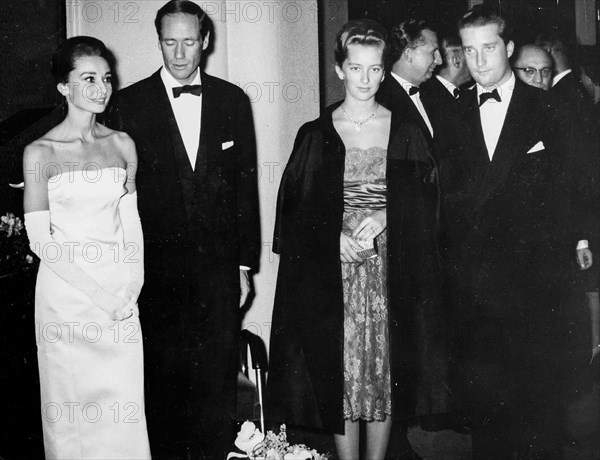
449	85
504	89
405	84
170	82
559	77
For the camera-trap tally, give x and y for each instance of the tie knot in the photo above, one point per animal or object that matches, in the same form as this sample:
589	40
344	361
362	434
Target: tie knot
196	90
413	90
490	95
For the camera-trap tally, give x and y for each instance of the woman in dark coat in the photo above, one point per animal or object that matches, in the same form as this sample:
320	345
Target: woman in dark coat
329	366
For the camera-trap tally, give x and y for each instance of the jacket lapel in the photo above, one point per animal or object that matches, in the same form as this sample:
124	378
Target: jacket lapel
405	102
176	147
509	145
208	127
472	126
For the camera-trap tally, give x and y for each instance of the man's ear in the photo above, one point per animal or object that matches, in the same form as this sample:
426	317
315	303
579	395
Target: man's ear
407	53
456	61
510	48
206	41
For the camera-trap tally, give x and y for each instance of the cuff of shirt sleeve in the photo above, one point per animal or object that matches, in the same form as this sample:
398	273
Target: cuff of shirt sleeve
582	244
243	267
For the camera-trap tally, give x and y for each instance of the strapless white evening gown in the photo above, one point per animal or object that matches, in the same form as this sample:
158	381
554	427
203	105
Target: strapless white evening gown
91	368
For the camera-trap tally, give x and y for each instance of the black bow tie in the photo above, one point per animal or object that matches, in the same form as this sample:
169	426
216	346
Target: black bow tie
456	93
491	95
196	90
413	90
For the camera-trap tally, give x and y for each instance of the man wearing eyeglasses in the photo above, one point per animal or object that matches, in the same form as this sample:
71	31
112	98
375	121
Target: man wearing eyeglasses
533	66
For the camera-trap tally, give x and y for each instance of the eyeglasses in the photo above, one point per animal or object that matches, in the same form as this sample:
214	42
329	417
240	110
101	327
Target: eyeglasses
531	71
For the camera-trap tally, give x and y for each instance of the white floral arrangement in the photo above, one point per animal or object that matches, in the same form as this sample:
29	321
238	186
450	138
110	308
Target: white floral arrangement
14	245
258	446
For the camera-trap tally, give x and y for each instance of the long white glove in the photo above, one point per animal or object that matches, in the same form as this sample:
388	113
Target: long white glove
134	244
56	257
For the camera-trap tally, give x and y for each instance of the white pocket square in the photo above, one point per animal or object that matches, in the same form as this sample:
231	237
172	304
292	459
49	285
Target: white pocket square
226	145
537	147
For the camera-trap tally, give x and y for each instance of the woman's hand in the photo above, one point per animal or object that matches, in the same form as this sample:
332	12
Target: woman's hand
126	312
348	248
118	308
371	226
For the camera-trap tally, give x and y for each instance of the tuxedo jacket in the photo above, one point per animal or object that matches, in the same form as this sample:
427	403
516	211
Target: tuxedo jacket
435	95
394	97
570	94
581	143
213	208
515	198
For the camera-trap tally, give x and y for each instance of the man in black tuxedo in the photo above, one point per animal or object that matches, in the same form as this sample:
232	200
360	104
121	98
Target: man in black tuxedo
197	186
444	87
566	86
503	225
413	57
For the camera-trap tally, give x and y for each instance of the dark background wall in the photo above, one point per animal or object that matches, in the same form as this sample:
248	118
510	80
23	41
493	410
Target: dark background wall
30	32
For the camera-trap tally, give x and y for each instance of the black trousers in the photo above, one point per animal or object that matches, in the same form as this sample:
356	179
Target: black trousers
190	319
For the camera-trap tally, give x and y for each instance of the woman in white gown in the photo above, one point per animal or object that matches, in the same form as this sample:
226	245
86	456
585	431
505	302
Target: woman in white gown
82	221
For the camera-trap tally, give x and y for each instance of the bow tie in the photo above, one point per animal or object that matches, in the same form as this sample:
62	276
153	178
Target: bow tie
196	90
491	95
456	93
413	90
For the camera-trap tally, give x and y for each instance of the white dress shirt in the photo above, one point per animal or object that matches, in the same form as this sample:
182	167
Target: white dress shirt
493	113
188	113
416	98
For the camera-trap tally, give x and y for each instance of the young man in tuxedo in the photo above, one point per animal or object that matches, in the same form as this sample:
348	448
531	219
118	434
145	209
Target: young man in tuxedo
503	228
197	186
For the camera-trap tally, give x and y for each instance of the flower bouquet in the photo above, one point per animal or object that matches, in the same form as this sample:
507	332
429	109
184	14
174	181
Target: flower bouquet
15	254
258	446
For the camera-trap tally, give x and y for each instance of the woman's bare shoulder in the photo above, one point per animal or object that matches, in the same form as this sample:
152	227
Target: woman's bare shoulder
121	143
41	150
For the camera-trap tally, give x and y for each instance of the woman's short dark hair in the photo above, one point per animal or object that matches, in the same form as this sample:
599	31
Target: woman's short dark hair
67	53
185	7
407	34
359	32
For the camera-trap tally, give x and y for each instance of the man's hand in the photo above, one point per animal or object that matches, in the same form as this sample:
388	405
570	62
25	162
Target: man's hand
244	286
584	258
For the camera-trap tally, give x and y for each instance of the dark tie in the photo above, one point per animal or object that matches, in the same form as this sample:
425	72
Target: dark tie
456	93
196	90
491	95
413	90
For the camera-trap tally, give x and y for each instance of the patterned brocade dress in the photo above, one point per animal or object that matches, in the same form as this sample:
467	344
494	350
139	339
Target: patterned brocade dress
367	388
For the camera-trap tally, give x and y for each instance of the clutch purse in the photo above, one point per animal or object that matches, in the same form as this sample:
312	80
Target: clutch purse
369	248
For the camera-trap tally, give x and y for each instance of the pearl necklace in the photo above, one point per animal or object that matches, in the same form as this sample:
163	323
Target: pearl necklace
358	126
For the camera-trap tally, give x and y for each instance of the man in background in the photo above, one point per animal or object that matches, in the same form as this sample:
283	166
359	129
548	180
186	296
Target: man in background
533	66
452	74
414	55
